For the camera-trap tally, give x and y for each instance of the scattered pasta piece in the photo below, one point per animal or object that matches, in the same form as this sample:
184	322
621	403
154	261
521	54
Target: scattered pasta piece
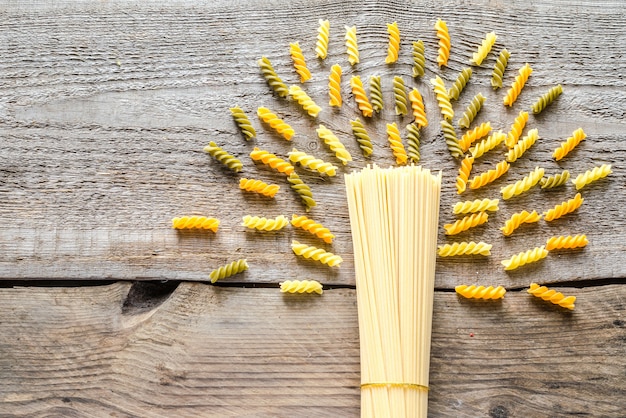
271	161
487	144
473	206
264	224
419	62
524	258
272	78
516	129
323	34
228	270
480	292
522	185
275	123
517	86
304	101
223	157
196	222
399	94
394	43
334	86
360	97
442	98
569	242
362	137
484	49
464	172
301	286
312	163
514	222
242	121
444	42
522	146
498	69
303	190
546	99
298	62
312	227
474	135
317	254
459	83
449	134
554	181
376	93
464	248
413	142
489	176
577	136
552	296
334	144
592	175
352	45
395	141
564	208
258	186
472	110
417	104
466	223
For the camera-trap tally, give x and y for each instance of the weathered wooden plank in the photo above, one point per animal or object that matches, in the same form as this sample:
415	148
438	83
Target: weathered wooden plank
209	351
105	108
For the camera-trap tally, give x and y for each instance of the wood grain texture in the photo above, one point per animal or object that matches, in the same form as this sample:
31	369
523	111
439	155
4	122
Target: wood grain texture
105	108
210	351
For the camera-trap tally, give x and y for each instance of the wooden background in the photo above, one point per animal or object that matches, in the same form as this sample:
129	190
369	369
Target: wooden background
104	110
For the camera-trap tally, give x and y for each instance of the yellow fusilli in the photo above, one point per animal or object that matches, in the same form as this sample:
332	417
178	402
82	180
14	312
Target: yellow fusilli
228	270
517	86
275	123
489	176
417	104
272	78
362	137
524	258
419	62
323	34
459	83
413	142
263	224
498	69
449	134
272	161
553	296
352	45
394	43
334	144
554	181
484	49
546	99
577	136
516	129
312	227
474	135
480	292
399	94
360	97
298	62
514	222
301	286
223	157
478	205
464	172
304	101
522	185
522	146
466	223
471	111
317	254
312	163
258	186
334	86
569	242
395	141
487	144
464	248
196	222
376	93
444	42
564	208
592	175
242	121
303	190
442	98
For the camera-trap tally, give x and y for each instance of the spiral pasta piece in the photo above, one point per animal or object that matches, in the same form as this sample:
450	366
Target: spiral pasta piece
303	190
566	147
487	144
522	185
334	86
484	49
498	69
196	222
258	186
569	242
514	222
554	181
489	176
564	208
546	99
360	97
417	104
264	224
298	61
352	45
442	98
317	254
592	175
312	163
323	34
394	43
228	270
334	144
464	248
362	137
276	123
395	141
312	227
553	296
413	142
242	121
466	223
444	42
522	146
472	110
419	62
480	292
516	129
223	157
449	134
524	258
376	93
274	81
517	86
399	94
459	84
301	286
271	161
304	101
474	135
473	206
464	172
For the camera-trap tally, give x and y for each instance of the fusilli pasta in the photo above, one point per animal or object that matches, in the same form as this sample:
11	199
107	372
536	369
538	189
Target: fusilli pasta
566	147
444	42
312	163
489	176
334	144
272	78
334	86
298	62
395	141
569	242
514	222
480	292
303	190
323	34
498	69
417	104
466	223
413	142
419	62
517	86
478	205
317	254
228	270
487	144
360	97
301	286
554	181
376	93
442	98
362	137
471	136
564	208
553	296
264	224
275	123
223	157
464	172
464	248
472	110
196	222
522	185
399	94
483	49
242	121
547	98
516	129
271	161
592	175
394	43
258	186
459	84
352	45
304	101
522	146
312	227
524	258
449	134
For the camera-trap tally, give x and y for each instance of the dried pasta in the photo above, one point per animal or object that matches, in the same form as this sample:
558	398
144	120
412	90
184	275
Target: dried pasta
258	186
360	97
449	134
317	254
516	129
272	78
223	157
394	43
323	34
459	84
489	176
464	172
242	121
517	86
303	190
417	104
466	223
196	222
275	123
304	101
487	144
514	222
228	270
376	93
362	137
399	94
413	142
444	42
301	286
564	208
419	62
271	161
442	98
312	227
524	258
592	175
395	141
480	292
352	45
566	147
484	49
522	185
546	99
334	86
478	205
553	296
498	69
334	144
464	248
522	146
471	136
299	62
569	242
312	163
472	110
264	224
554	181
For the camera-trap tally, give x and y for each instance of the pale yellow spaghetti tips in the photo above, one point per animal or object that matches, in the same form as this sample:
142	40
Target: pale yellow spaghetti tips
394	43
566	147
552	296
489	176
298	62
474	135
263	224
564	208
258	186
568	242
522	146
360	96
312	227
484	49
444	42
352	45
480	292
524	258
517	86
464	248
323	34
304	101
317	254
516	129
312	163
275	123
334	86
522	185
592	175
271	161
487	144
394	218
228	270
478	205
417	104
196	222
334	144
514	222
395	141
470	221
301	286
442	98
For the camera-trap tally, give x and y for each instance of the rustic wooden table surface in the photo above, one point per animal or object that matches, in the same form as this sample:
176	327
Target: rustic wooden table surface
105	108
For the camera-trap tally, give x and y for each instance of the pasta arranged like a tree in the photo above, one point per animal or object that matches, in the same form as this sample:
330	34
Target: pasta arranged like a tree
487	144
489	176
464	172
516	129
442	98
196	222
334	144
304	101
303	190
517	86
566	147
399	94
264	224
394	43
484	49
419	62
417	104
449	134
395	142
444	42
564	208
413	142
472	110
464	248
525	257
299	62
312	163
522	185
271	161
362	137
301	286
592	175
473	135
228	270
317	254
459	84
274	81
522	146
323	34
554	181
514	222
352	45
334	86
569	242
276	123
376	93
470	221
258	186
360	97
498	69
480	292
312	227
223	157
242	121
552	296
478	205
550	96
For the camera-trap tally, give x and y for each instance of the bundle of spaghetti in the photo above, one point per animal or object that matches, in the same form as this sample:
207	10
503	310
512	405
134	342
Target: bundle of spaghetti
312	163
517	86
275	123
394	217
360	97
298	61
469	137
516	129
376	93
567	146
323	33
483	49
464	172
558	243
394	43
395	142
314	228
304	101
334	86
417	105
592	175
334	144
